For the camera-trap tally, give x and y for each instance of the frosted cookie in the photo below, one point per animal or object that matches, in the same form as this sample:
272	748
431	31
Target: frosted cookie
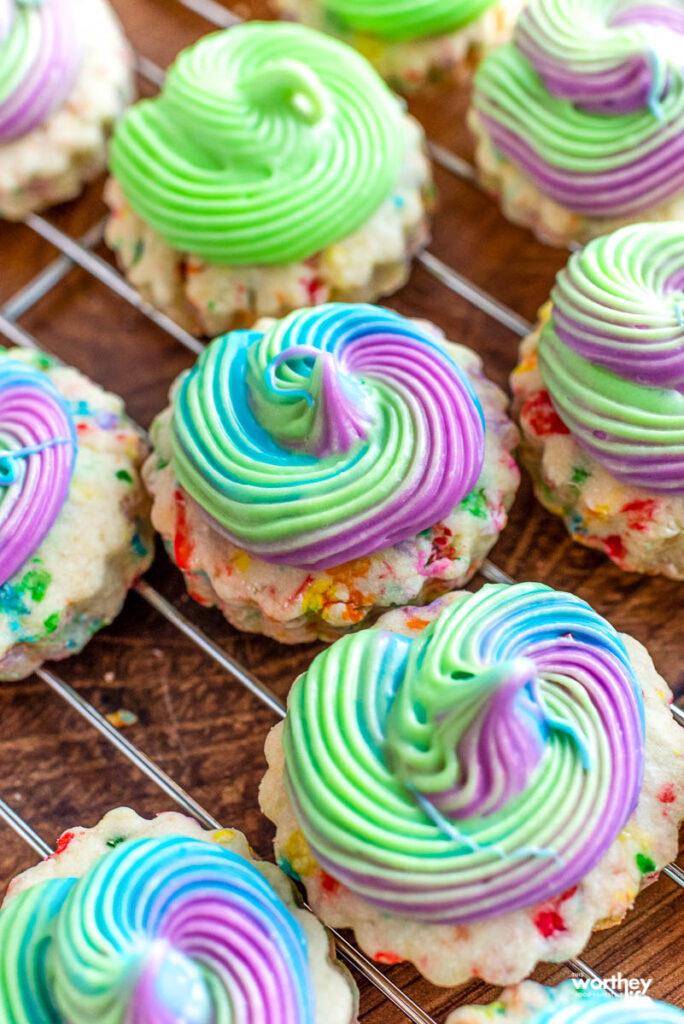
599	390
476	785
74	516
159	921
580	121
573	1002
274	171
65	76
411	42
319	469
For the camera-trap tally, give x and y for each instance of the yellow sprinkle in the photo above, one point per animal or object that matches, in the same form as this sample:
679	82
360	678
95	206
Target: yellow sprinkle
298	856
371	47
241	560
314	595
545	311
223	835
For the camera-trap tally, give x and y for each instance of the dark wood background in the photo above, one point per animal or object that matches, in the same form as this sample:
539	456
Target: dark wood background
192	719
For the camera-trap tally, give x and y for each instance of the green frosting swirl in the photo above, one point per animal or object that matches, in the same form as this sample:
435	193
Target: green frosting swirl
268	143
406	19
636	431
24	925
511	93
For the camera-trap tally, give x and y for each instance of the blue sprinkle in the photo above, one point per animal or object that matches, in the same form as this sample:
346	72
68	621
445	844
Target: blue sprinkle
11	600
138	546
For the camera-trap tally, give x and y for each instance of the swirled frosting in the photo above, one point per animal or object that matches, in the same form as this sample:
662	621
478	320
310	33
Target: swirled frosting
159	931
268	143
406	19
612	354
37	456
40	57
589	102
481	768
568	1006
337	433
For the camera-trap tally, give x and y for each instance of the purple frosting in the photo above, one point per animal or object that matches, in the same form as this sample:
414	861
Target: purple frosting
37	457
40	58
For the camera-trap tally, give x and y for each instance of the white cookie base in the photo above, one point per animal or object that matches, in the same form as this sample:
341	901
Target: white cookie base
209	299
52	163
335	994
295	605
503	950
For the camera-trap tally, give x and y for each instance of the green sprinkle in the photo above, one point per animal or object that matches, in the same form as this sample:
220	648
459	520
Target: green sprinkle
476	504
35	584
211	306
115	841
645	864
579	475
52	622
138	250
123	474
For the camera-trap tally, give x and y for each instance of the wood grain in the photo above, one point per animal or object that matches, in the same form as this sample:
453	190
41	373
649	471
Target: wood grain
192	719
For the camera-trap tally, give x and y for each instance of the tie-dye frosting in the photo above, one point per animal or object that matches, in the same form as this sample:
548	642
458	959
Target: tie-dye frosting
570	1006
37	456
589	102
268	143
339	432
165	930
406	19
612	353
40	57
481	768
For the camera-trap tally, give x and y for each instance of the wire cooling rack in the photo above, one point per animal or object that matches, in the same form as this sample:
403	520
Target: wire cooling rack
80	253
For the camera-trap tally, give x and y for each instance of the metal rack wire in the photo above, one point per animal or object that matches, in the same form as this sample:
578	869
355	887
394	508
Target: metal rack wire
80	252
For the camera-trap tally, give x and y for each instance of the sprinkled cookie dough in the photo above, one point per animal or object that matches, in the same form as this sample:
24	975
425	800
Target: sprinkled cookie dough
74	517
410	43
580	121
65	76
508	776
352	460
573	1002
189	926
318	188
599	392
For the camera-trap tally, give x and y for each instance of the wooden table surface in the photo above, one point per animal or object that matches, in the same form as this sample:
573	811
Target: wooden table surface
193	720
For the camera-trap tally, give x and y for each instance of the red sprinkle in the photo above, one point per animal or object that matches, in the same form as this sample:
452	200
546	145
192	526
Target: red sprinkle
541	415
182	548
63	842
548	922
329	883
387	958
313	285
614	547
667	794
644	506
569	893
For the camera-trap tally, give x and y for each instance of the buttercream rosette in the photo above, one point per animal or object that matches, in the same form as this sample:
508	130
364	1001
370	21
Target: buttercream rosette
600	394
65	76
573	1002
274	170
74	516
412	42
580	120
159	922
313	470
474	786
